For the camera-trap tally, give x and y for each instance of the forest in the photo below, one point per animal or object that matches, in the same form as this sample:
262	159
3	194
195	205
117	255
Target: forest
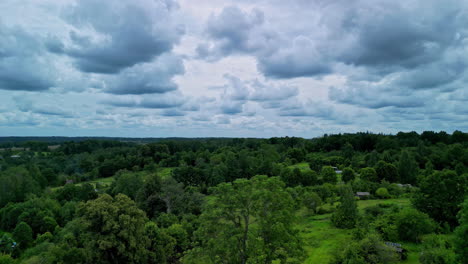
337	199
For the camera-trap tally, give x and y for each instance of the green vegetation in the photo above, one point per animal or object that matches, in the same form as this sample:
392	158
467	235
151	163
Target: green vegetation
352	198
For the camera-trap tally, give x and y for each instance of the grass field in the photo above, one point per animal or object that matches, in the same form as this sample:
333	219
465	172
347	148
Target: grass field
303	166
106	182
322	240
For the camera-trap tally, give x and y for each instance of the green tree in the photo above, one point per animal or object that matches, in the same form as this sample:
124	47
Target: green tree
248	221
346	215
368	174
348	174
412	224
23	234
461	234
162	245
329	175
407	168
386	171
114	230
128	183
440	196
15	184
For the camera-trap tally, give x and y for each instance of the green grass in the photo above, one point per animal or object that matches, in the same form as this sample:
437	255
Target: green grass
106	182
165	172
303	166
322	240
404	202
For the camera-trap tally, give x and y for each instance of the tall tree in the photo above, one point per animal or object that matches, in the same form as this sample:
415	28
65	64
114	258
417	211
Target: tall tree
23	234
114	230
248	221
346	215
440	195
329	175
407	168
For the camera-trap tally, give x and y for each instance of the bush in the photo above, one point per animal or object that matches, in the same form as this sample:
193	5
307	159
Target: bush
382	193
412	224
437	250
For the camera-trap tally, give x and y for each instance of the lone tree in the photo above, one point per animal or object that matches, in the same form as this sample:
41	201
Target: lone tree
407	168
248	221
347	213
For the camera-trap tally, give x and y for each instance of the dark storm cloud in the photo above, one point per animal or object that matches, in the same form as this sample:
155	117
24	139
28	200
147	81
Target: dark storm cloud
123	34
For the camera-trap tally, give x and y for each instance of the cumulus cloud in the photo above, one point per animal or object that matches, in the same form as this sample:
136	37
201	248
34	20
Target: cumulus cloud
26	104
111	36
155	77
21	65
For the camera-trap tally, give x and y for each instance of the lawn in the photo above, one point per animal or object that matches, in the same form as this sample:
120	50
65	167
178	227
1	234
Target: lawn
165	172
303	166
322	239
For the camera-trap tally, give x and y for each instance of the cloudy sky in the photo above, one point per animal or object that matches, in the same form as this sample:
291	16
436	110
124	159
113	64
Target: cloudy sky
249	68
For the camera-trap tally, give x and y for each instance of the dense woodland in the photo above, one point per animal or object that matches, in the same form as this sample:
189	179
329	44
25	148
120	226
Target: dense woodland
277	200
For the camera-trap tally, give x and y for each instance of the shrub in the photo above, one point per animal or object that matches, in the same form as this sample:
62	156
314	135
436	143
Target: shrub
382	193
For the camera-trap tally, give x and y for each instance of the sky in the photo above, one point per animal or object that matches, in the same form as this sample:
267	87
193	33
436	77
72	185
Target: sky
232	68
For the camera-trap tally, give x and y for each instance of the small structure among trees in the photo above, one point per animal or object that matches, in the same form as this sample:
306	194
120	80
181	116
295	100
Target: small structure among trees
362	194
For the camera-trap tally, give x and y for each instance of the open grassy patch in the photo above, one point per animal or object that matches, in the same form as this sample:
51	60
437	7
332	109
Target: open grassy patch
165	172
303	166
321	238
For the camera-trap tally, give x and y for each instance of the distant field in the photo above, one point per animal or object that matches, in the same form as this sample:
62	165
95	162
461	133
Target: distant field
303	166
163	172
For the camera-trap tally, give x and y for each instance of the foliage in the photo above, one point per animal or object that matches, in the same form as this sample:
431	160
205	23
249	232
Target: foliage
412	224
15	184
23	235
461	234
328	175
114	230
382	193
440	195
407	168
368	174
437	250
370	249
346	215
248	221
348	174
